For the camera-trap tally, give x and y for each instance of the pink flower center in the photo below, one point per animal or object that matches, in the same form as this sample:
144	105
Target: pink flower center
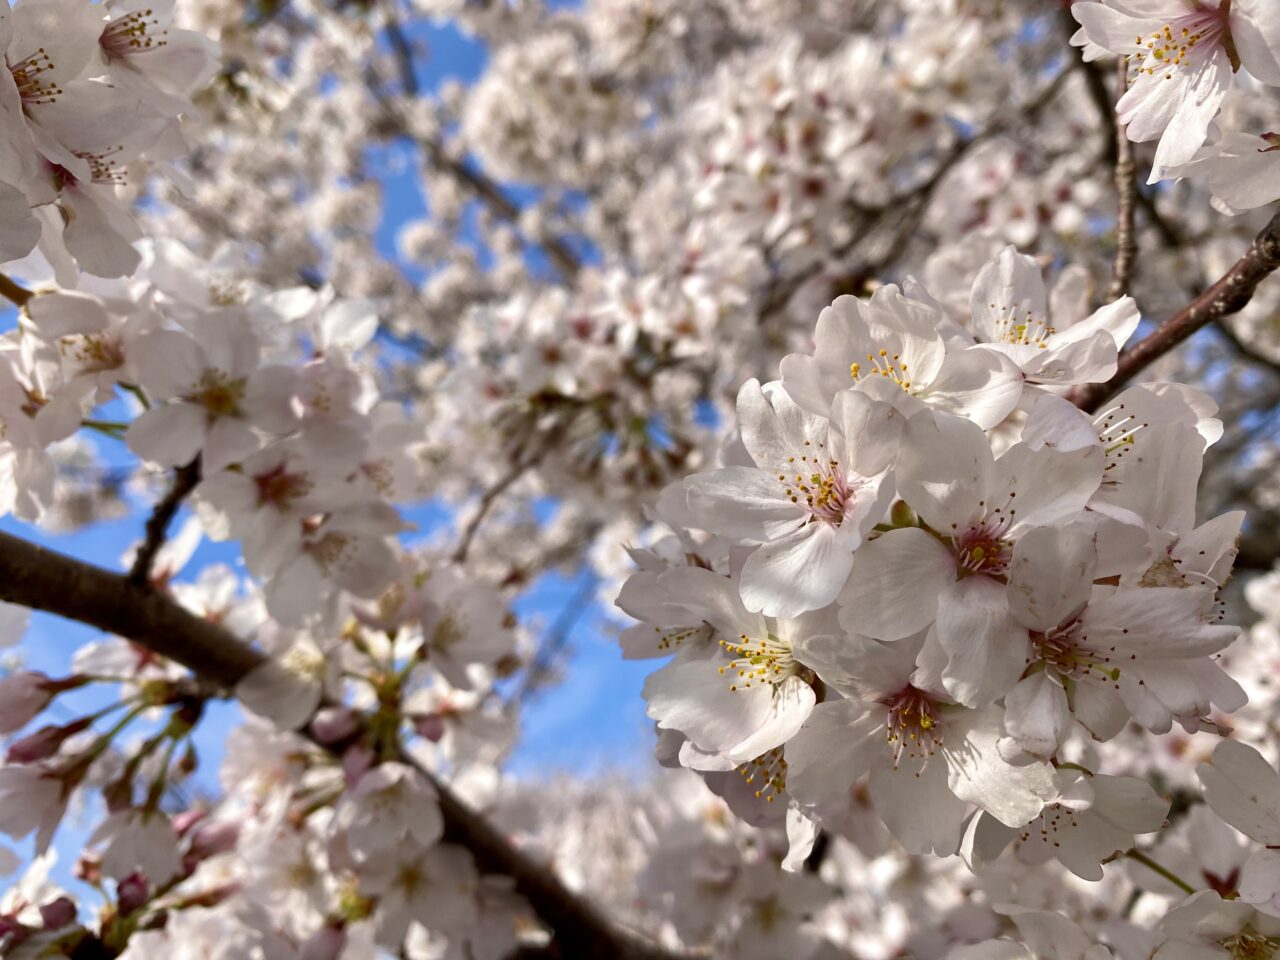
133	33
912	725
820	486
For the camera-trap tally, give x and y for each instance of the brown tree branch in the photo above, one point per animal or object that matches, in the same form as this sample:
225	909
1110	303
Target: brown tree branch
14	293
487	500
485	189
157	528
1229	295
42	579
1126	240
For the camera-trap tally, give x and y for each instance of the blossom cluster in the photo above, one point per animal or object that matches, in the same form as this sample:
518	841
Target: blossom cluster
89	91
923	572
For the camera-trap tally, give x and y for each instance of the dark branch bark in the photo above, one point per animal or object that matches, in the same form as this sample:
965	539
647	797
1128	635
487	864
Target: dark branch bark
157	528
1228	296
45	580
14	293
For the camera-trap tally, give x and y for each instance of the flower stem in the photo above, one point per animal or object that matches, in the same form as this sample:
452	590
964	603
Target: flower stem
1177	881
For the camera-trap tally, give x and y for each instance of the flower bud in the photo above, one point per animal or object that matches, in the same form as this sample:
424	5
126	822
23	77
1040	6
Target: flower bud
57	913
332	724
132	893
44	743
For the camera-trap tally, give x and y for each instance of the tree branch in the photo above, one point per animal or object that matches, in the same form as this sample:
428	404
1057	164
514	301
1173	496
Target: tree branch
1229	295
1126	239
488	191
42	579
14	293
184	481
487	499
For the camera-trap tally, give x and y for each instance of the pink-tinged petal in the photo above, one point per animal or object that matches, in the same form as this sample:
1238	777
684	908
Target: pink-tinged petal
1099	708
917	807
1244	790
773	428
1036	714
1130	804
835	747
295	591
1109	28
865	433
1201	98
979	384
895	583
1156	623
170	435
1009	298
1260	881
696	699
1119	320
1091	360
21	230
709	596
804	571
169	363
1051	576
978	774
285	698
741	502
790	704
810	384
944	468
1255	28
1050	485
986	648
66	312
98	234
1059	424
230	440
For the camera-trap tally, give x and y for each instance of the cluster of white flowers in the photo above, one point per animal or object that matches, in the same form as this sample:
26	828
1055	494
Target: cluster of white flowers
1182	56
949	665
89	90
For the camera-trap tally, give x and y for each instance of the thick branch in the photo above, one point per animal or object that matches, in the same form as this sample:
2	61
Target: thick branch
1229	295
42	579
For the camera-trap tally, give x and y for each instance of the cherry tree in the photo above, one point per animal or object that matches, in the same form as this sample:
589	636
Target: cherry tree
900	377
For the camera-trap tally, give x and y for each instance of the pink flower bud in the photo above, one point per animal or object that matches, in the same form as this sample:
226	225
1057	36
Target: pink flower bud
132	893
182	822
355	762
58	913
22	696
430	725
210	839
332	724
326	943
44	743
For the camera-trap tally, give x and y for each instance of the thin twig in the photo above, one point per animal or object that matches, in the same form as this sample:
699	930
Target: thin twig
14	293
487	499
404	55
1229	295
1126	239
487	190
554	641
184	481
1250	353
